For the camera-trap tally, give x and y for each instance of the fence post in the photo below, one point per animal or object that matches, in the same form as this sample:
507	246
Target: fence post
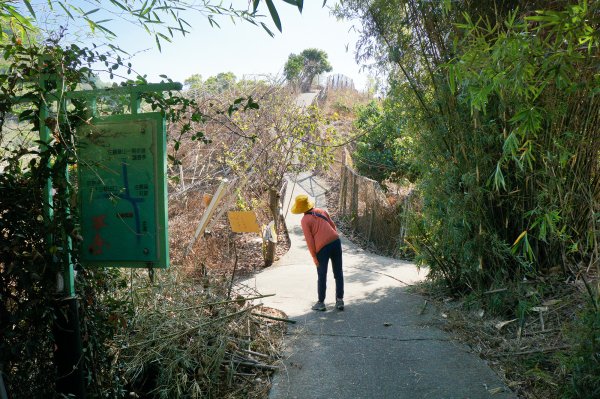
372	204
354	200
343	185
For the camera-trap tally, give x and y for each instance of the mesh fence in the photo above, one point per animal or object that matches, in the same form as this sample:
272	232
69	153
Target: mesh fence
377	216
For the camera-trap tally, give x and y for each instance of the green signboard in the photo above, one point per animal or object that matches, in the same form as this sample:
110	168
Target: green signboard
123	191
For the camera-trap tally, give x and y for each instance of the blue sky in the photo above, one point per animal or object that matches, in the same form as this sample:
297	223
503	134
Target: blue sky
243	48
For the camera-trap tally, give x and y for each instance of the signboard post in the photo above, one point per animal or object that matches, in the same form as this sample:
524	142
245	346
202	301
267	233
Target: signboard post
122	182
122	176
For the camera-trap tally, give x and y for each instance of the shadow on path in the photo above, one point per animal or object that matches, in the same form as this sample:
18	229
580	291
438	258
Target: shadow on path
382	346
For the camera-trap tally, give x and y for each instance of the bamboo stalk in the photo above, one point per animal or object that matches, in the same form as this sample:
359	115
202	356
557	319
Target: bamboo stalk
532	351
257	365
274	318
253	353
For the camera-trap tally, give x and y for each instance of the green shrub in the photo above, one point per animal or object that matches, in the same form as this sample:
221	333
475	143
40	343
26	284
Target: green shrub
382	151
584	362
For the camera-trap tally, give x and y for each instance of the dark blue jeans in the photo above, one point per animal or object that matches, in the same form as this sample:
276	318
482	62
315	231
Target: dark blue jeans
331	251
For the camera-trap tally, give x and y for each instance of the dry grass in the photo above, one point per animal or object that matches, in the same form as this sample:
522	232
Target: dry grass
344	102
192	338
528	352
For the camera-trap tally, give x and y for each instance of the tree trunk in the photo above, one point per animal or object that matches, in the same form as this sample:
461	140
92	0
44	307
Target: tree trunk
274	206
269	254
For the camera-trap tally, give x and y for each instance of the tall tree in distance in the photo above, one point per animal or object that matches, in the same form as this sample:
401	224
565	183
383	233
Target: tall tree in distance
301	69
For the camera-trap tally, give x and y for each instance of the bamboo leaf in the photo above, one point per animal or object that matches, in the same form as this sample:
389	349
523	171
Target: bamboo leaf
499	178
297	3
120	5
520	237
65	9
28	5
267	29
451	79
91	12
158	43
274	14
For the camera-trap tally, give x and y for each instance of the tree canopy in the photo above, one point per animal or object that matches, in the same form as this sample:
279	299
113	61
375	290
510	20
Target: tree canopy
301	69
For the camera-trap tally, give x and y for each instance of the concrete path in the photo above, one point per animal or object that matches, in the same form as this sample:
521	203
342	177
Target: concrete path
381	346
305	100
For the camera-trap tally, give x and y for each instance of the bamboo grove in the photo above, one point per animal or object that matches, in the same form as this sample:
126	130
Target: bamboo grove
501	102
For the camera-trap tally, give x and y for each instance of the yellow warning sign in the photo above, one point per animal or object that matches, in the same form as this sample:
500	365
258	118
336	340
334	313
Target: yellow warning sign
243	222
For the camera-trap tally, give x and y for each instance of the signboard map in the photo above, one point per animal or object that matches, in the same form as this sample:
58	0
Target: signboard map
122	191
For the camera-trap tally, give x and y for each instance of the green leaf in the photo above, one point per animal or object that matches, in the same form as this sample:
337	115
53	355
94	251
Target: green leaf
66	10
18	16
158	43
274	14
28	5
106	30
91	12
119	4
297	3
511	145
267	29
197	117
164	37
451	79
499	178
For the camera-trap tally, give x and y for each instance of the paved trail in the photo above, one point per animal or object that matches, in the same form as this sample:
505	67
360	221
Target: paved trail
380	346
306	99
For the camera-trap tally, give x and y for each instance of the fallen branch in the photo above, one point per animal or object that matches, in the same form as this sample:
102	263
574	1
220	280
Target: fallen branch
239	299
257	365
495	291
547	331
529	352
274	318
255	353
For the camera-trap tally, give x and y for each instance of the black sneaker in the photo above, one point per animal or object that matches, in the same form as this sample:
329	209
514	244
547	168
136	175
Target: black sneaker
319	306
339	304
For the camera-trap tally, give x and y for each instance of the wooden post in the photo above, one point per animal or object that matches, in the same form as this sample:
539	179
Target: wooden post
207	214
270	246
371	204
354	200
343	185
344	190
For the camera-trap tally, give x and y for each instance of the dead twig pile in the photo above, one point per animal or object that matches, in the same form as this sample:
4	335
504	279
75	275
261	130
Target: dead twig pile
188	340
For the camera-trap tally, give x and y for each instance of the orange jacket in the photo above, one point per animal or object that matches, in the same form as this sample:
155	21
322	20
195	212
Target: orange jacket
318	232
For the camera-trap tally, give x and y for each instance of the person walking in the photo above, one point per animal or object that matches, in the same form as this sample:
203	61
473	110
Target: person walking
323	242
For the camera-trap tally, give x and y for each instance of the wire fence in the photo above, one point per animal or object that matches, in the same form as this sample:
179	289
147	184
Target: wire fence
339	82
378	216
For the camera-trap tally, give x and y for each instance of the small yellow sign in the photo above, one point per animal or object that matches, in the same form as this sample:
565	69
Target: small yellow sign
243	222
